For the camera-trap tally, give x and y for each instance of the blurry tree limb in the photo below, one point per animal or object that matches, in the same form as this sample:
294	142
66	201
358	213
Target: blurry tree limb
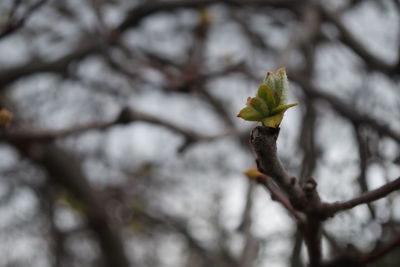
307	140
333	243
358	47
60	65
251	247
14	24
295	258
380	253
86	46
304	40
135	15
363	260
65	170
57	238
306	32
209	258
127	115
343	108
363	164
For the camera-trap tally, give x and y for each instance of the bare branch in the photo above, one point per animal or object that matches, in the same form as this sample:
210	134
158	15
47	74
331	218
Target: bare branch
305	198
263	140
365	198
277	195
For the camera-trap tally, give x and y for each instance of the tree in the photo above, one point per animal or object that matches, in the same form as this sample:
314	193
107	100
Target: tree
124	149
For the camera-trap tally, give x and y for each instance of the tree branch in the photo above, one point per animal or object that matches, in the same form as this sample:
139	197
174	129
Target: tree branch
127	115
263	140
365	198
277	195
303	198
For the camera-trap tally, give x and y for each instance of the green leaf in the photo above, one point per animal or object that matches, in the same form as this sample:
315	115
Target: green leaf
265	92
283	108
259	104
250	114
273	121
269	105
279	84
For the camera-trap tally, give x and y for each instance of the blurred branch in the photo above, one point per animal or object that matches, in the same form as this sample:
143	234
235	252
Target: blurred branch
307	140
376	255
333	243
295	258
60	65
251	248
136	15
127	115
13	25
209	258
255	38
304	35
343	108
46	195
363	164
88	45
347	260
358	47
65	170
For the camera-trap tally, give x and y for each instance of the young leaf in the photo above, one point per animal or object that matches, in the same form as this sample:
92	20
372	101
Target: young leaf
279	84
259	104
283	108
250	114
265	92
273	121
270	104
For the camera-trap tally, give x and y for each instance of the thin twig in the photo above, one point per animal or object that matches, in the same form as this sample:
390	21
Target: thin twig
365	198
127	115
277	195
